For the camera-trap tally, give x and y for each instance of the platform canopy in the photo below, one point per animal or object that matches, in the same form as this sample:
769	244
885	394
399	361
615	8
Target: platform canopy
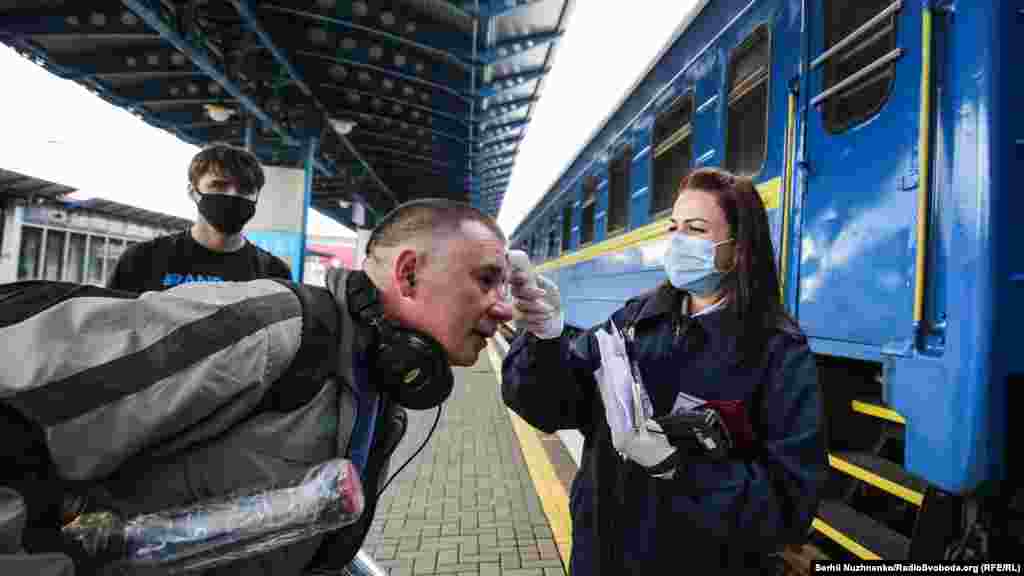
402	98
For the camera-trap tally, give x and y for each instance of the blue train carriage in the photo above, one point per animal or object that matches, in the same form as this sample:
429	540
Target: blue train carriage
881	137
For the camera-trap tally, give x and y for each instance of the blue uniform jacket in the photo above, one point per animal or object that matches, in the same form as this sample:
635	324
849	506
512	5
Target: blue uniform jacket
731	515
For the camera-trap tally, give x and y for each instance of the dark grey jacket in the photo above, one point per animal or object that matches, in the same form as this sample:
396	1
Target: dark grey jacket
171	397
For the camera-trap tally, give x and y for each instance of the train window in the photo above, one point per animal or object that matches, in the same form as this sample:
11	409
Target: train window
673	151
618	190
566	227
747	135
553	240
861	53
589	204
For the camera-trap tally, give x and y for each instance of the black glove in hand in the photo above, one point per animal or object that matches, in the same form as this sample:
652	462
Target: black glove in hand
701	428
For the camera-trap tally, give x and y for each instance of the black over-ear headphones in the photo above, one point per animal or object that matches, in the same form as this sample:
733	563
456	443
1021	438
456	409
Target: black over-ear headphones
412	366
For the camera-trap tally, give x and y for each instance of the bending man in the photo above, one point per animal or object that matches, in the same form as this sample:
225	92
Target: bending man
137	404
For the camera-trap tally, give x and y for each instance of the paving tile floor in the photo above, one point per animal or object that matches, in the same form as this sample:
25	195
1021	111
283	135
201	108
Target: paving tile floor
465	505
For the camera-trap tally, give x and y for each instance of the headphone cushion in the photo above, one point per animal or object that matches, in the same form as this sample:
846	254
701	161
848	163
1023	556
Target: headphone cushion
417	365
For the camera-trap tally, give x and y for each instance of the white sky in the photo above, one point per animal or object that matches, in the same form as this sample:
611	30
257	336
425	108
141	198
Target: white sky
56	130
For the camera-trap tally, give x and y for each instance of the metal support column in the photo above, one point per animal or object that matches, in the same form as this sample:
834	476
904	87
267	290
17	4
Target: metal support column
310	158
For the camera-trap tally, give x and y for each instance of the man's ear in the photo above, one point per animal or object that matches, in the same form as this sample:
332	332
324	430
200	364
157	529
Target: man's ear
405	272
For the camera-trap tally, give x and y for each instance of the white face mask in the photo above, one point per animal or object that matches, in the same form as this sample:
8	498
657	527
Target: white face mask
690	264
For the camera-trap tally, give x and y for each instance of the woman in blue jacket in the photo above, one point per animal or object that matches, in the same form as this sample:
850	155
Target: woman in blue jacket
715	331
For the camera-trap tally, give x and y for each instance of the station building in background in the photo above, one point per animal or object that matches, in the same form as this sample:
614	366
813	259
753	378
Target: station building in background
44	235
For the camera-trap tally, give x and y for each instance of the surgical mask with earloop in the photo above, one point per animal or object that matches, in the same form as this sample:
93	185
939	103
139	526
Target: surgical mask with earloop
690	264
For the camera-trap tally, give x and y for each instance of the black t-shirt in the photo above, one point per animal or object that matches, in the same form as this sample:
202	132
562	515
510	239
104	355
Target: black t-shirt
167	261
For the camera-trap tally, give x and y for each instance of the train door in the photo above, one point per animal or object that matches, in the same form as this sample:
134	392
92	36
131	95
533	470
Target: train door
760	55
857	273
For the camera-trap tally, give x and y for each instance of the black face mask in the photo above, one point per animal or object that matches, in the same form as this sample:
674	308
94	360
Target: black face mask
228	214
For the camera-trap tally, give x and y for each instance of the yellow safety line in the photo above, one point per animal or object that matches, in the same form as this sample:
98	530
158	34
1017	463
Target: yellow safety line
844	541
553	496
912	496
877	411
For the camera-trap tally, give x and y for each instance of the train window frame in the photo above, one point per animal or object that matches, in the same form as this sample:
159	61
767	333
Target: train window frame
567	213
662	143
830	76
588	209
737	89
623	156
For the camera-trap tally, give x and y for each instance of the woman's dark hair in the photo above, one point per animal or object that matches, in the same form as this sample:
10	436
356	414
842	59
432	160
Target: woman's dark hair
753	283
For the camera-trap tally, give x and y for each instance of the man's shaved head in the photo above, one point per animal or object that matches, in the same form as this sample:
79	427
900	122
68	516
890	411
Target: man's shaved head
423	225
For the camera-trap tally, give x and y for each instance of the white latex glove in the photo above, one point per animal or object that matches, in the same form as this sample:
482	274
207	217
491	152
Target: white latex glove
644	444
536	298
649	447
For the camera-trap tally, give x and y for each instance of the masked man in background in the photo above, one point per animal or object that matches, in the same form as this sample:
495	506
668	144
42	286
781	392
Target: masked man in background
225	182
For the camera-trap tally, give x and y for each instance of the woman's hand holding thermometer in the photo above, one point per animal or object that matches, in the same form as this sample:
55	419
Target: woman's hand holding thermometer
536	298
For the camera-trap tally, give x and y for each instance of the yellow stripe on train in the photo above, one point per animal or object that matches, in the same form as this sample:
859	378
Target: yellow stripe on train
770	191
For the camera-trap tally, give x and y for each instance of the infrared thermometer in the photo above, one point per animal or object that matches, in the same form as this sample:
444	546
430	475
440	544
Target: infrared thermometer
520	261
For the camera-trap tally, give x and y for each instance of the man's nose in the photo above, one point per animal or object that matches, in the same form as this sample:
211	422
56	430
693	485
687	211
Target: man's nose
502	311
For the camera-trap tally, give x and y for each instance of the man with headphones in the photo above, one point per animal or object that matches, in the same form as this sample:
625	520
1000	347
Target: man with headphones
137	404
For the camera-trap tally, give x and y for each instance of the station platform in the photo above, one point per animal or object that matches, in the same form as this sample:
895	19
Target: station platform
487	496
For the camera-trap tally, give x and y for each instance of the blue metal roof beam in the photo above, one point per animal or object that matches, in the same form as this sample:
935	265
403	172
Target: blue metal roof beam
101	90
96	20
162	61
510	48
402	153
500	136
499	85
382	118
185	90
404	102
198	55
499	109
253	24
496	156
489	179
434	44
503	120
566	7
493	145
495	174
503	9
497	128
442	127
484	178
387	71
452	151
417	167
496	163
